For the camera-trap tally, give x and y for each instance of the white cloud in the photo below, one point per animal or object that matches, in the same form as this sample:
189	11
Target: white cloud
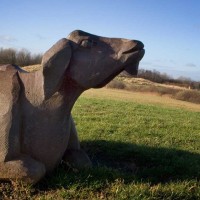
146	63
7	39
190	65
172	61
40	37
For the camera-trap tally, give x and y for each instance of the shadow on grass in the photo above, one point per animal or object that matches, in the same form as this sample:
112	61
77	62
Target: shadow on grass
128	162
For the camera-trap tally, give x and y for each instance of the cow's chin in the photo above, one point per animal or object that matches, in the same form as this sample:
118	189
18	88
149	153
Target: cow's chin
131	69
108	79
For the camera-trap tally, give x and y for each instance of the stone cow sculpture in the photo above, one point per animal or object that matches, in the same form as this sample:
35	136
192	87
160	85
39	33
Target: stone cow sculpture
36	127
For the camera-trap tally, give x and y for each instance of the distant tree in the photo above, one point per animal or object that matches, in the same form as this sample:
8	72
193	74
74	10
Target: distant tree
158	77
154	76
184	79
21	57
7	56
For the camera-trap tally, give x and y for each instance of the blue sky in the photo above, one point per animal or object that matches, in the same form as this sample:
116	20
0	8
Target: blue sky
170	29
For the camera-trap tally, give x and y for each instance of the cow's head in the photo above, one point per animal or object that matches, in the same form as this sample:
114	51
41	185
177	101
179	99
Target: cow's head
90	60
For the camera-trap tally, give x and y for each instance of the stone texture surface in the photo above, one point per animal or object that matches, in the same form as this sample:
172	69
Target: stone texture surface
9	113
36	127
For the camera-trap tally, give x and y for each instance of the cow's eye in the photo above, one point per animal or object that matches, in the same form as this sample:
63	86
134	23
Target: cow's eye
88	43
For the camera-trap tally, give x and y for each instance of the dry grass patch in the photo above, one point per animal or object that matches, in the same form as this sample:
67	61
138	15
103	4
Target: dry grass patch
188	95
142	85
139	97
32	68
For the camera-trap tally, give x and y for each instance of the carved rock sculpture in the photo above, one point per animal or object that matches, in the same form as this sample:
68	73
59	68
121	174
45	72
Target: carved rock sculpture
36	127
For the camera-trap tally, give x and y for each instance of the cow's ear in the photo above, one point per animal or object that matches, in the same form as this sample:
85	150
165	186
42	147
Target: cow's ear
55	62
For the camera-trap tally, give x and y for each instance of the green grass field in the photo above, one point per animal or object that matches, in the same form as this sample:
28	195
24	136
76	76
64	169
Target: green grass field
140	150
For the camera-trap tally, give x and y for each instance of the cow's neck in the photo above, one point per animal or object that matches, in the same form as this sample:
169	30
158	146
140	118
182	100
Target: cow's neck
71	91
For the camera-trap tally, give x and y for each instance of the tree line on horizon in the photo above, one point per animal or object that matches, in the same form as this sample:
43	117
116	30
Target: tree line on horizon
21	57
24	57
157	77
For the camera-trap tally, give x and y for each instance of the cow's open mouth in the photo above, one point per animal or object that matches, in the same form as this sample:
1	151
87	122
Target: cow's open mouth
138	47
132	67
